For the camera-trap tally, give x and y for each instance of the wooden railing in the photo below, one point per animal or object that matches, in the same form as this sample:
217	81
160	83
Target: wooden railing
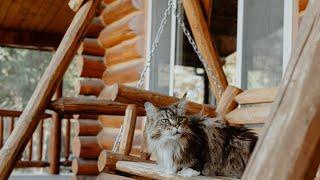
36	152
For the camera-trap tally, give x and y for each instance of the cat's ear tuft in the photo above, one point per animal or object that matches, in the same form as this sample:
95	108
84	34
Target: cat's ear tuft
150	109
183	102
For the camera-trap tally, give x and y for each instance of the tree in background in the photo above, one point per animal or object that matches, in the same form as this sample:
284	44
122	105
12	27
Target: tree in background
20	71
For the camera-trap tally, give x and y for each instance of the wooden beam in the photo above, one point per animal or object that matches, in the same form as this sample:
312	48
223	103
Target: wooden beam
86	147
29	39
89	86
152	171
107	136
95	27
91	46
131	95
119	9
128	27
123	73
84	127
55	137
90	66
111	121
227	102
13	113
128	50
29	164
254	96
75	4
207	7
107	160
90	106
84	167
289	148
42	94
206	46
248	115
129	125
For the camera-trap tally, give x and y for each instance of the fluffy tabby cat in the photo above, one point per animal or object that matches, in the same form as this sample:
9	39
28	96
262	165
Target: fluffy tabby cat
194	145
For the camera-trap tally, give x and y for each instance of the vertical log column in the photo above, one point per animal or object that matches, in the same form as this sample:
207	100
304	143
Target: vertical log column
55	137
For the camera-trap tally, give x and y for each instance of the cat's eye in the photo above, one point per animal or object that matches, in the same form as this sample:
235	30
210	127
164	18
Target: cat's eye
181	118
166	121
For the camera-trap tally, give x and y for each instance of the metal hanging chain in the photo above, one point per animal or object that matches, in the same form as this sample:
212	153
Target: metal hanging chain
147	65
195	48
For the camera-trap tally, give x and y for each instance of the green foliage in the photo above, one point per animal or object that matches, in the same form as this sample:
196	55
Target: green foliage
20	71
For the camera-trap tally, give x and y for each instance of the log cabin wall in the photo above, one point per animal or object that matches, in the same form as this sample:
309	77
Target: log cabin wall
112	51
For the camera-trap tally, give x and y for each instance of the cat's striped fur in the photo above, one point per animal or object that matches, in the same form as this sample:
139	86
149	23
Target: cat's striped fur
191	145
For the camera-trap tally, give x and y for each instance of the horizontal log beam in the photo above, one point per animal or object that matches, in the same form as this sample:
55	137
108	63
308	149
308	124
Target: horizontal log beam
86	147
90	66
123	29
119	9
89	106
107	136
89	86
84	167
111	121
87	127
29	39
107	160
248	115
130	95
13	113
123	73
90	46
125	51
29	164
95	27
254	96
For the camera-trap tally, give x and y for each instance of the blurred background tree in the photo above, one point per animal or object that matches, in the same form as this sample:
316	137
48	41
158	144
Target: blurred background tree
20	71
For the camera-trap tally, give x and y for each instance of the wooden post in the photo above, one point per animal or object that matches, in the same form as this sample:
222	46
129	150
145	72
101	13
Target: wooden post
228	102
128	131
207	48
55	137
67	140
289	148
44	91
30	149
11	124
1	131
40	145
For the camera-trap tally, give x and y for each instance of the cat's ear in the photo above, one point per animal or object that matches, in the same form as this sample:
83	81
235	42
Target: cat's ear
183	102
150	109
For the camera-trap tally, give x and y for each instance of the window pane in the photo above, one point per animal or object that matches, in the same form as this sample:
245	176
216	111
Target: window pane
262	43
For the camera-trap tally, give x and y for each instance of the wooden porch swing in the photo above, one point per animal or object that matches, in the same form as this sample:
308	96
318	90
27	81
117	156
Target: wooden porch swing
288	147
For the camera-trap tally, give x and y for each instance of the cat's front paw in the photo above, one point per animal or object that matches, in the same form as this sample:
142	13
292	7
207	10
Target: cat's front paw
188	172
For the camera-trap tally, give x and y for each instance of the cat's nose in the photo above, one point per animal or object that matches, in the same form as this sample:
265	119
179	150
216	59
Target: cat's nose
174	130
